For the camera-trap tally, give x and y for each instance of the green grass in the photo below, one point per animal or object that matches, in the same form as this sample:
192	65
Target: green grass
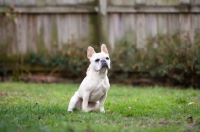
42	107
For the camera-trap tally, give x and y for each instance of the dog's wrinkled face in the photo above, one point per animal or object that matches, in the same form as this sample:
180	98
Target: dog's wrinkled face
101	60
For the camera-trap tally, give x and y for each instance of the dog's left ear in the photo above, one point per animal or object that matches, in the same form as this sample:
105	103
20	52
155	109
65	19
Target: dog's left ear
104	49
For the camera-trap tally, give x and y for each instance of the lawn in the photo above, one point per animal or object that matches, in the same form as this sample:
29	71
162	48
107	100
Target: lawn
42	107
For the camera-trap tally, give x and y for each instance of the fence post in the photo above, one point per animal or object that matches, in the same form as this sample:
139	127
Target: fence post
186	2
102	21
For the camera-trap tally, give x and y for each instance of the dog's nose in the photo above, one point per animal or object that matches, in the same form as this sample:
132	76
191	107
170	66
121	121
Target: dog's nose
103	60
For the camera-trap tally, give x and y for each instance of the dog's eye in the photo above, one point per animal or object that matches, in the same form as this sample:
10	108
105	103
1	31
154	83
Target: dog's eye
107	58
97	60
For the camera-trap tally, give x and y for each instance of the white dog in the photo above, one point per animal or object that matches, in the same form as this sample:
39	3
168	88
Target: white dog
92	92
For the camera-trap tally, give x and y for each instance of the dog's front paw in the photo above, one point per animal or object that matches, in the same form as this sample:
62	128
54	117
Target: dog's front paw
102	110
69	110
85	110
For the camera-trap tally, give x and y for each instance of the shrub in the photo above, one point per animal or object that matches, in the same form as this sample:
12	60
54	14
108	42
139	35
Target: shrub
71	61
174	58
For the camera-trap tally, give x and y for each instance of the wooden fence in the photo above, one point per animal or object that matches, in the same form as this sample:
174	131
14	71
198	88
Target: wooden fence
28	25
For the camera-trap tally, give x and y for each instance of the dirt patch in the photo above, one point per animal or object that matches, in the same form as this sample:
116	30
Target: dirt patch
48	79
164	122
3	94
132	81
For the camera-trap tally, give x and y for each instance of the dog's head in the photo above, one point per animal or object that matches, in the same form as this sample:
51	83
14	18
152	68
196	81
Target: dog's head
99	61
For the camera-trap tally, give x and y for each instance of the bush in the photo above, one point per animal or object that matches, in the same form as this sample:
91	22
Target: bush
72	59
174	58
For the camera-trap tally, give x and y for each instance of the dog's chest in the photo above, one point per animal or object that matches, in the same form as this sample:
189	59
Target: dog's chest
100	88
98	91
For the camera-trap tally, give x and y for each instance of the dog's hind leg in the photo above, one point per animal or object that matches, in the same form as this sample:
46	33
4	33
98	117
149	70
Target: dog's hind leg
74	102
78	105
93	106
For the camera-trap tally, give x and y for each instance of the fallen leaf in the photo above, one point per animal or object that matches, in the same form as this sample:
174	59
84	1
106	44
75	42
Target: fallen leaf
35	104
192	103
129	107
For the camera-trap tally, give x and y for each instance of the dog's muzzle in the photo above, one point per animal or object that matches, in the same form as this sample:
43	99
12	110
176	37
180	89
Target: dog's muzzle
104	64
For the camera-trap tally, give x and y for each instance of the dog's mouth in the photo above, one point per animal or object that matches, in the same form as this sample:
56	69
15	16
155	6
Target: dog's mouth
104	65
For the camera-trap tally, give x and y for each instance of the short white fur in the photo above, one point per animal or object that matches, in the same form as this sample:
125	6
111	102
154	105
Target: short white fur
92	92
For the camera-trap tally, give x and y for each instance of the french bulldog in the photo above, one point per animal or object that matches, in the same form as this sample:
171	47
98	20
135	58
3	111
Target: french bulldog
92	92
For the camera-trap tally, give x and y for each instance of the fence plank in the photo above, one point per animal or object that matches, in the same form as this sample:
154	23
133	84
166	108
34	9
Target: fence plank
151	25
141	30
116	29
19	2
22	34
140	2
185	25
115	2
59	30
128	2
61	2
195	25
8	38
162	23
40	32
173	23
111	36
84	25
2	33
50	2
187	2
129	27
47	31
41	2
67	33
1	2
9	2
32	33
196	22
72	26
25	2
162	2
195	2
173	2
151	2
9	34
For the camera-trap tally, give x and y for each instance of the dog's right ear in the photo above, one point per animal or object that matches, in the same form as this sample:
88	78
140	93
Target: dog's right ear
90	52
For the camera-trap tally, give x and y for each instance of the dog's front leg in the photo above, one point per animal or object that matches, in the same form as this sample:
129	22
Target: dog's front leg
101	104
85	101
73	102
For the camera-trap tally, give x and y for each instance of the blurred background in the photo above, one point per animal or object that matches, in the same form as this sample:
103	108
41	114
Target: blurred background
151	42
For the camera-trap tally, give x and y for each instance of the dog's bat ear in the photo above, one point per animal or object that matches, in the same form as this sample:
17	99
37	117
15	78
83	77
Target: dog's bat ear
104	49
90	52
